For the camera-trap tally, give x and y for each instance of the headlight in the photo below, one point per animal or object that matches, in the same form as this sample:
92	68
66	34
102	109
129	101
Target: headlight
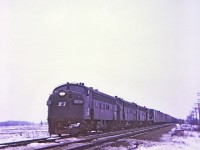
78	101
62	93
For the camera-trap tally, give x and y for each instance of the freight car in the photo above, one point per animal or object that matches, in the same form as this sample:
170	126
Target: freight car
74	108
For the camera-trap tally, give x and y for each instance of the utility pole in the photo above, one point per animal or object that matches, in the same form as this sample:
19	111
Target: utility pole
194	116
199	111
198	103
196	121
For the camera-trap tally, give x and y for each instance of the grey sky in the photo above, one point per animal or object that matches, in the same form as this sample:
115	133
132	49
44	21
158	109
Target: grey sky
145	51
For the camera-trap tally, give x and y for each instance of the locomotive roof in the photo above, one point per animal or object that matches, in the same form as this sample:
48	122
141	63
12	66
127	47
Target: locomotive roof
101	93
83	85
96	91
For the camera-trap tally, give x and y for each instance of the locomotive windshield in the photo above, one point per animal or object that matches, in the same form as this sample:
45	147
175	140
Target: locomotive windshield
77	88
64	87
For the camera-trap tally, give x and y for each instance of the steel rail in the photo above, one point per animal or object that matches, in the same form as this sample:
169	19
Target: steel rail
95	140
84	141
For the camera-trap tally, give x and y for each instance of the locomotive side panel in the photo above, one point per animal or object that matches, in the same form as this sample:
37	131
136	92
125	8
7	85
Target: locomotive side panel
104	106
105	113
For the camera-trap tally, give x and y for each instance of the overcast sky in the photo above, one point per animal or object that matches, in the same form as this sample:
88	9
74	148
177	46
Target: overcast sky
145	51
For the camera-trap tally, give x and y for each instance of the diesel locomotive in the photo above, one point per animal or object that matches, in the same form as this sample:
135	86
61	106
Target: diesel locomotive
74	108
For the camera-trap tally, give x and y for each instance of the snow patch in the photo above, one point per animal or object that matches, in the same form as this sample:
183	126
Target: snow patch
188	141
19	133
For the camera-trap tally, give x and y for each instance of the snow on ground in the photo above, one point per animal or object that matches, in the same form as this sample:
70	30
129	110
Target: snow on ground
26	132
188	140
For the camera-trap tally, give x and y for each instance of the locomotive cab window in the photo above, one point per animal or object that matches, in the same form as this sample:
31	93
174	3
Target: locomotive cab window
61	88
77	88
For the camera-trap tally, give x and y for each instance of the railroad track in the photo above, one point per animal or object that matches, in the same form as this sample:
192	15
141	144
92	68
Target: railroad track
81	142
26	142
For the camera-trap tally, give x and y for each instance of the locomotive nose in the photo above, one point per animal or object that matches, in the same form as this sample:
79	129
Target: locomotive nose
68	105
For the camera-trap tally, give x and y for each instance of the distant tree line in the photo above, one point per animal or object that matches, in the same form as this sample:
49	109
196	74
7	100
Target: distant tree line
15	123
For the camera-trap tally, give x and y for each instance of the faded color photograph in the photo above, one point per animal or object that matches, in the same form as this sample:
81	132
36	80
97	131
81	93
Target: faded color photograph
79	67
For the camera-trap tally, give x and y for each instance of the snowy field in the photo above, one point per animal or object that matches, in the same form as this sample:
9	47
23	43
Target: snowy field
26	132
187	140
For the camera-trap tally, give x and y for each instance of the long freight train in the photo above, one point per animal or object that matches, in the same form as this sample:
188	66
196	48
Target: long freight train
75	108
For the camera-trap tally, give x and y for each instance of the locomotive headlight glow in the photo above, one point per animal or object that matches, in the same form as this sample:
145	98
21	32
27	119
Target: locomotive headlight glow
62	93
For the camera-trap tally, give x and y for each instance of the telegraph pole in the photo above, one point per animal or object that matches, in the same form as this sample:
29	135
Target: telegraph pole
194	116
199	111
198	103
